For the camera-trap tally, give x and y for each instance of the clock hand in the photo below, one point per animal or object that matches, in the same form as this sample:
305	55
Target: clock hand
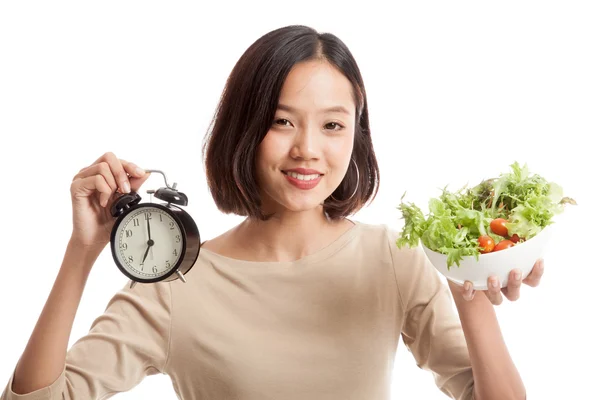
145	254
150	241
148	224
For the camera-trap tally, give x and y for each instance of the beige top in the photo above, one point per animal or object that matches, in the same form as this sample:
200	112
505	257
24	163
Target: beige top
326	326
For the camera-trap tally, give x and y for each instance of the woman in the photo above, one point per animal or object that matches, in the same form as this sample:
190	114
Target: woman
296	302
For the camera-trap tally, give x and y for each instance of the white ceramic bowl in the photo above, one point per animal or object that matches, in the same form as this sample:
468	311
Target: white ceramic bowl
522	256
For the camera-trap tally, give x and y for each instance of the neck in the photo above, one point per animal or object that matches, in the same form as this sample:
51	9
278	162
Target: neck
288	236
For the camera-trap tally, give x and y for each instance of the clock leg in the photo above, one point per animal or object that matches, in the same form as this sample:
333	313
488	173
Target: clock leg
180	275
133	283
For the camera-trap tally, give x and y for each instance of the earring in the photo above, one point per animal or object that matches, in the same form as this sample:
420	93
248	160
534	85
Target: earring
357	182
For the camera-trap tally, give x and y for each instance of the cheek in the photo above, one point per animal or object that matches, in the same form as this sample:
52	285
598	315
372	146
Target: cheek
269	154
272	147
263	152
340	151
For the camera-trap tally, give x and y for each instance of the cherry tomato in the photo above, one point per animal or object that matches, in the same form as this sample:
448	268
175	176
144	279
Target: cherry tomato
504	244
515	238
487	244
498	226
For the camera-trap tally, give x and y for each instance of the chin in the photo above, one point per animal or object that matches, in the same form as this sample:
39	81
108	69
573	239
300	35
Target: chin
300	206
305	208
278	199
297	205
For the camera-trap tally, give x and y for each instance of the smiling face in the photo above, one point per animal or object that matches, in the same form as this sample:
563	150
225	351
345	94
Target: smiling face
312	133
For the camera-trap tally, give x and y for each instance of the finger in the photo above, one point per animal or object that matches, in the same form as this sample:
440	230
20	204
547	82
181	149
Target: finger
467	291
104	188
102	169
132	169
93	183
103	157
512	291
493	292
137	175
116	169
534	278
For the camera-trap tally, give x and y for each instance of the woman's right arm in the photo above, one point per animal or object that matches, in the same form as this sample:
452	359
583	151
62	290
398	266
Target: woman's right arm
44	356
133	331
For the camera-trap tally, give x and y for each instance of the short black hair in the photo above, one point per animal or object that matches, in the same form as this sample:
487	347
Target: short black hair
245	114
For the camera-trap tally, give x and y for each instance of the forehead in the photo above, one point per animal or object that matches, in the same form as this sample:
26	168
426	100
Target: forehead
316	85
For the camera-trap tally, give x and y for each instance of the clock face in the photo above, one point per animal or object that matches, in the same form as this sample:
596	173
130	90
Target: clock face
148	242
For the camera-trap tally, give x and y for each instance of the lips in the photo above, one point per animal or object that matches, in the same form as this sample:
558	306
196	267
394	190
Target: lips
304	171
303	178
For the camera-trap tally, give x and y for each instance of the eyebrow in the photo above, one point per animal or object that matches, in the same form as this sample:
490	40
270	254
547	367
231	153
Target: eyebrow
338	109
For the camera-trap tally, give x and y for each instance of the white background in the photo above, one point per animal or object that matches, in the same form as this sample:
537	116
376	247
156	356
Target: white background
457	92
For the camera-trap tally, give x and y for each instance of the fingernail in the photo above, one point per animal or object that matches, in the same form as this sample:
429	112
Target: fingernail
467	292
518	275
542	265
140	171
494	283
126	187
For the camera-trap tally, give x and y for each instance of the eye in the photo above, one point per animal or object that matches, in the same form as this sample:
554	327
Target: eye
332	126
282	122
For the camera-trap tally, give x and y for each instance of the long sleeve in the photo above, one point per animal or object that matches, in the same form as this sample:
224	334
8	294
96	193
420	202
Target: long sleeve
129	341
431	330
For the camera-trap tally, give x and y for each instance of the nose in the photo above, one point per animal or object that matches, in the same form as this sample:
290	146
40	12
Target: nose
306	144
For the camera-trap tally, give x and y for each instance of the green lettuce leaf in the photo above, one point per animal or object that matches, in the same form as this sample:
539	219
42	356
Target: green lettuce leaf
456	220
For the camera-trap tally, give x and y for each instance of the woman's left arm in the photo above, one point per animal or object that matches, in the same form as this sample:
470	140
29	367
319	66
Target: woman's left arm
495	375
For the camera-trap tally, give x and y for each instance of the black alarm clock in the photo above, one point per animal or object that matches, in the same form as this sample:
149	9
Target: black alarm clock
153	242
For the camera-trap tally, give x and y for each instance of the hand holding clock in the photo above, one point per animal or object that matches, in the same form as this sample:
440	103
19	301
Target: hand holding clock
102	214
93	190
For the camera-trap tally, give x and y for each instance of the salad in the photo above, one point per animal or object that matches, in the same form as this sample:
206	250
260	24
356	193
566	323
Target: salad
491	216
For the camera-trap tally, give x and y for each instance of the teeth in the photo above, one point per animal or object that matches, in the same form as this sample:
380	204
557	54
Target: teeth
302	177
